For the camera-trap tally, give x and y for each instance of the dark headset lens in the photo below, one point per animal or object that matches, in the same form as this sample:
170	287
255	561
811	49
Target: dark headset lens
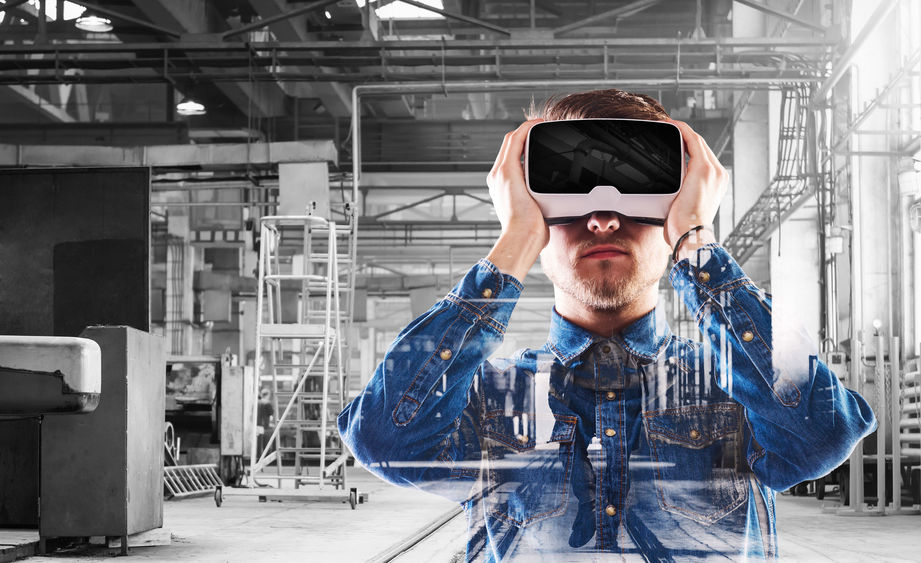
636	157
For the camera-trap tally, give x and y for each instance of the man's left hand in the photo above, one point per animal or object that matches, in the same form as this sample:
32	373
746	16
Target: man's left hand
703	188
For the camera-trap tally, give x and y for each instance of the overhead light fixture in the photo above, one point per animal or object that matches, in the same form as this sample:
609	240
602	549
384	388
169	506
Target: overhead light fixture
93	23
328	15
188	106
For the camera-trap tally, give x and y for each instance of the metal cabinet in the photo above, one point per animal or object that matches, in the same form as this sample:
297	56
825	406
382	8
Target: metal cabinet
102	472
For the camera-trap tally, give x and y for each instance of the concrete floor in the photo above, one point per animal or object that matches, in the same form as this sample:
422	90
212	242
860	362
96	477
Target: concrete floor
247	530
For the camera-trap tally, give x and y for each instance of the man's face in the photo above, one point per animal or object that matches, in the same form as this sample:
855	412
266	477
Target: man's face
605	261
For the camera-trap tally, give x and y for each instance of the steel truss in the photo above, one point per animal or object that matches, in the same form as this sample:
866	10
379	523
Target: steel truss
393	61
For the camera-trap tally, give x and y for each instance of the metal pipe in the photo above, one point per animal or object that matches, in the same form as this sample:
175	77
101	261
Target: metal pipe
459	17
277	18
844	62
766	44
916	249
856	375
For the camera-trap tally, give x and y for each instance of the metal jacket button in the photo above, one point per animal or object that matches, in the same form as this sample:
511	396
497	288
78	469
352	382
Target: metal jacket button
704	277
487	293
610	395
748	336
606	349
610	432
445	354
694	434
610	510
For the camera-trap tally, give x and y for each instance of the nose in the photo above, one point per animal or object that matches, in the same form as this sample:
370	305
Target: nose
602	221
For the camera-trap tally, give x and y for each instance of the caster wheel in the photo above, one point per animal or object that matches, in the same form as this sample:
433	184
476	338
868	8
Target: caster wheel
218	496
353	498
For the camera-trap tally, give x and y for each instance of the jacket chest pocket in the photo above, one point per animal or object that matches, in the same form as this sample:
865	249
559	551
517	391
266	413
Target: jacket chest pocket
697	456
527	481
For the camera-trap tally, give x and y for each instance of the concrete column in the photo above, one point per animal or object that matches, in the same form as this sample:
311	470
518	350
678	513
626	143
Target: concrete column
874	181
751	146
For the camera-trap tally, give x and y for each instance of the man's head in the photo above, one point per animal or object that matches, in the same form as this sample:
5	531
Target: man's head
604	262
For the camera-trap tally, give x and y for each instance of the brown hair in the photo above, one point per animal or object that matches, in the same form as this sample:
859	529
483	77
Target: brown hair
599	103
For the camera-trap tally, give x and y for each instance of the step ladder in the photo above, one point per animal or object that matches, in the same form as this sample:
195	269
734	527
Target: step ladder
305	301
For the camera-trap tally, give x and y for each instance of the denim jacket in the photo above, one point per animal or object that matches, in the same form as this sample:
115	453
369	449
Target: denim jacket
644	444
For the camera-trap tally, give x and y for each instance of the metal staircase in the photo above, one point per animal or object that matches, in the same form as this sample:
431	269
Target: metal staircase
791	184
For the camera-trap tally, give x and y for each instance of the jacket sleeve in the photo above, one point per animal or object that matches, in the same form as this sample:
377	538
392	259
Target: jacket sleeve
417	422
804	422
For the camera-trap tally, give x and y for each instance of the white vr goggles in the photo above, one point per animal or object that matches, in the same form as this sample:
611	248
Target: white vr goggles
575	167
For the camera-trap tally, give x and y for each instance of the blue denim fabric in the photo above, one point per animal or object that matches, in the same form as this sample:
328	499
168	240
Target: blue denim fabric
644	444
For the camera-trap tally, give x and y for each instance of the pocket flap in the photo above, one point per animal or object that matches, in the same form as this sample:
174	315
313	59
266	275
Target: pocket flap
564	429
693	426
501	428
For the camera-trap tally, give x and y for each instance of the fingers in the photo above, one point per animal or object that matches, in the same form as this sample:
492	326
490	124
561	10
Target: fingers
702	157
508	161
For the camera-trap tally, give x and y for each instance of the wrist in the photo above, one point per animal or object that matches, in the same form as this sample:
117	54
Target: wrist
686	246
516	251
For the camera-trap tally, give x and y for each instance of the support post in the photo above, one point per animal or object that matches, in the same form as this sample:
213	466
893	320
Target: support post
880	381
895	376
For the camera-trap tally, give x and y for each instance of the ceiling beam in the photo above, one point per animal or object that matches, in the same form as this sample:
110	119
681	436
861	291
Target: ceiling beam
621	11
782	15
459	17
284	17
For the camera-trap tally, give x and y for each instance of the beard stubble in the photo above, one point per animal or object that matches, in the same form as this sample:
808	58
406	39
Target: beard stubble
600	292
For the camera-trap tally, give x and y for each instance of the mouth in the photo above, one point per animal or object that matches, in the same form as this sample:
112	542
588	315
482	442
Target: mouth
604	252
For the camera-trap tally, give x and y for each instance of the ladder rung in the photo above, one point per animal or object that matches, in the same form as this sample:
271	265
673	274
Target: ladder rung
330	450
304	478
285	397
307	424
292	330
301	366
299	277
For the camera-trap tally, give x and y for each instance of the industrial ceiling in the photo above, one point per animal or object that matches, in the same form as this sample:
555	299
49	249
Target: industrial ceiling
434	93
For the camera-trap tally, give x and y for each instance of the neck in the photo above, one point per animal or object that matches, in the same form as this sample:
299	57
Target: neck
605	322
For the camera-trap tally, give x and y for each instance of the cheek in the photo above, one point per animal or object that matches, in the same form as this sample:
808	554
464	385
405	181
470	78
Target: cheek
656	247
555	246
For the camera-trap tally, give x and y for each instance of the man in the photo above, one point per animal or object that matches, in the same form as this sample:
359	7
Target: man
617	436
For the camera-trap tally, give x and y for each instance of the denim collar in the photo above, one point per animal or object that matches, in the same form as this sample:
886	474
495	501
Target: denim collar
644	339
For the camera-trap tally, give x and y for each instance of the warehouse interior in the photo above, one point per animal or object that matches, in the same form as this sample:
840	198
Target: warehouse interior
187	183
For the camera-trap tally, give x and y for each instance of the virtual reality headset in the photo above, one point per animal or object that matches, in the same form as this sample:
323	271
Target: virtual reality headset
575	167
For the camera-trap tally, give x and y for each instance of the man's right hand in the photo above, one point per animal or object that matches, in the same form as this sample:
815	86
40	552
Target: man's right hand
524	231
